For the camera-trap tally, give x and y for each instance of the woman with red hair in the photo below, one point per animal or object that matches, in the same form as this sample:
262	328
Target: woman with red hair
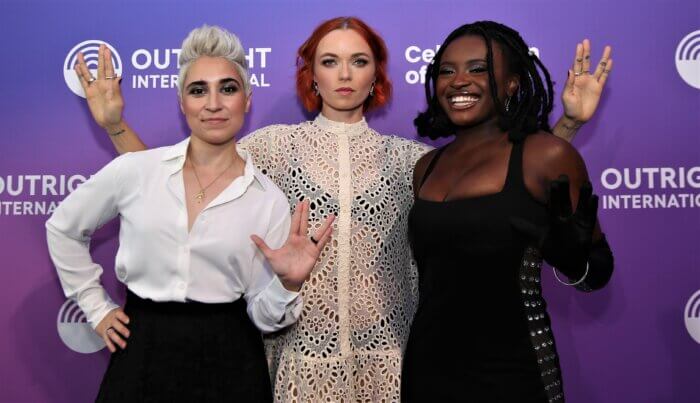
362	295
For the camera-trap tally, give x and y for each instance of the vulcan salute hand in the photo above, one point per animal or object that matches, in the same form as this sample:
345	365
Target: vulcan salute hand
568	241
565	242
295	260
103	93
583	86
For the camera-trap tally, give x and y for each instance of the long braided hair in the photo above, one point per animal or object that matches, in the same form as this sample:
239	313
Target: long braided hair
528	109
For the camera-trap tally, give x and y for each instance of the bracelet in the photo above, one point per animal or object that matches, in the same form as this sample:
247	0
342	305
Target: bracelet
117	133
574	126
554	269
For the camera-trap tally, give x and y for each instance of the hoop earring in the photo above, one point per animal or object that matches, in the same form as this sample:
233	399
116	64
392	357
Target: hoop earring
371	90
314	86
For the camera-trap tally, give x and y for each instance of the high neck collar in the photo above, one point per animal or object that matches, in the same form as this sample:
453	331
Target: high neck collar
339	127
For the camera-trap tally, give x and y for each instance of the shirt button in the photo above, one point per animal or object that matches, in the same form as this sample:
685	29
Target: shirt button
121	273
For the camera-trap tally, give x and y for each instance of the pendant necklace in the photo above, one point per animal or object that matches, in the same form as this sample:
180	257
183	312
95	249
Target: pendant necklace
202	189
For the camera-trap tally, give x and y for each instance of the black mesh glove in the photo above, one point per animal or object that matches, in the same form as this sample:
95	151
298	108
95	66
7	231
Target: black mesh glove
565	242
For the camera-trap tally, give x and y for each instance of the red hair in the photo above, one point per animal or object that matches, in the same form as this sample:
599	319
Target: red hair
307	52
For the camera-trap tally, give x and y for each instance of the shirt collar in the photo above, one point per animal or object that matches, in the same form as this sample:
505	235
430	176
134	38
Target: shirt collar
340	127
177	152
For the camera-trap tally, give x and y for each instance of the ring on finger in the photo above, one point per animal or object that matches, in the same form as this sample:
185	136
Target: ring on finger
578	73
91	80
110	77
603	63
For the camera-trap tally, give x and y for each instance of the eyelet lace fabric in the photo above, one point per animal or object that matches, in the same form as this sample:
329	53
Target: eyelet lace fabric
362	295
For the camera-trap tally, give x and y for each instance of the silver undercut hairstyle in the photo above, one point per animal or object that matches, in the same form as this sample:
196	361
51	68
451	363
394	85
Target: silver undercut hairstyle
212	41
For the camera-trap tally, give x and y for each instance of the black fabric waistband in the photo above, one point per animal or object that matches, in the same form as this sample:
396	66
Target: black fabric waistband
196	307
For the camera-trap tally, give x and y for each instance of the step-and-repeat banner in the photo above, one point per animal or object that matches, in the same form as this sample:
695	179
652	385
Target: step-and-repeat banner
637	340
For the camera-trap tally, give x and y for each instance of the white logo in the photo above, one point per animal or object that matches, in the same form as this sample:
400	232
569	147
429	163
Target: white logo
89	50
692	316
414	54
74	330
651	187
688	59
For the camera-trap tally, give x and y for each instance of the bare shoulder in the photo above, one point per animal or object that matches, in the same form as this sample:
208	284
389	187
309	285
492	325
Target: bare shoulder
548	146
550	156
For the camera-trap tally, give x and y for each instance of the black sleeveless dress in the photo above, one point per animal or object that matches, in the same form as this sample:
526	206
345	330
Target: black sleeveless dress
481	332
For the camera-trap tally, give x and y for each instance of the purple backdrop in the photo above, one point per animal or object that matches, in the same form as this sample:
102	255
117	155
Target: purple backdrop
635	341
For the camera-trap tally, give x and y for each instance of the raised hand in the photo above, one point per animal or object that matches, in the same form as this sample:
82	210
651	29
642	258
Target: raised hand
102	92
570	234
295	260
565	241
112	328
583	88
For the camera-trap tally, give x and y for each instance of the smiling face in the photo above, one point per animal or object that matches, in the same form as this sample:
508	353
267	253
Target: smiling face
462	87
344	70
213	100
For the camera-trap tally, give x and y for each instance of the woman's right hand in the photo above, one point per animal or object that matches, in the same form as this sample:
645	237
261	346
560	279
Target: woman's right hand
112	328
103	93
294	261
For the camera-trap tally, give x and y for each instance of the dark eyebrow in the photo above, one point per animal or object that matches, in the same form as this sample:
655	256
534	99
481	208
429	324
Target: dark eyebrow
229	80
468	61
196	83
222	81
353	55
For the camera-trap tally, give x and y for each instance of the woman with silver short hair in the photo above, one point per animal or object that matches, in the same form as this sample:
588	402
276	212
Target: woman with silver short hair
196	221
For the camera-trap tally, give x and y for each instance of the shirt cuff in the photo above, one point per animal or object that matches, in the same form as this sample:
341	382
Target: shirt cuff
96	304
278	295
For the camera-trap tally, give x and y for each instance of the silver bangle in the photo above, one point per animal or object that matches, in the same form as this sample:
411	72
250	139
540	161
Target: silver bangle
554	269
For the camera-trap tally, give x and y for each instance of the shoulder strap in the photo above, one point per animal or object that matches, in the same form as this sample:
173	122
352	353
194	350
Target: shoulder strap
431	166
514	177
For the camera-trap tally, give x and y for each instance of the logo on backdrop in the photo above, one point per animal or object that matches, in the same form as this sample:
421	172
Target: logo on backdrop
158	68
692	316
688	59
651	187
75	331
419	58
152	68
89	49
35	194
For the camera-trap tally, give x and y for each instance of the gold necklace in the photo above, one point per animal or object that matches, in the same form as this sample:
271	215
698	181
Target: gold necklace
201	194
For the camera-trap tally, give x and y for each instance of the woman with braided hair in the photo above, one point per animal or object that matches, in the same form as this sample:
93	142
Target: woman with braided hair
489	207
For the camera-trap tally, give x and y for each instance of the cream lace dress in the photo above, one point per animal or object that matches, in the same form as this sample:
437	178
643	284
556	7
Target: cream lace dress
361	297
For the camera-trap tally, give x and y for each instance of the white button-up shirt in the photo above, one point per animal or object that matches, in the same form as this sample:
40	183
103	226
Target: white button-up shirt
158	259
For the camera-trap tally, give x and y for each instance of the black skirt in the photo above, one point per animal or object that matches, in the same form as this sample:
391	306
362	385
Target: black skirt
188	352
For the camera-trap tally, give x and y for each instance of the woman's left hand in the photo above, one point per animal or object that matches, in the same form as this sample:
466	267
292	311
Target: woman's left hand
583	86
565	241
294	261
